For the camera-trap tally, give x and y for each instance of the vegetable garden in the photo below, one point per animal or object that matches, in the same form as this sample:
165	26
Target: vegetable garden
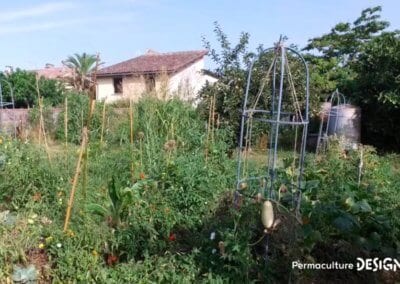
145	192
158	209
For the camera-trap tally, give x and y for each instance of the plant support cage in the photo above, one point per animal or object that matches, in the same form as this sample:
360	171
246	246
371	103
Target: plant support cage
4	105
273	129
329	117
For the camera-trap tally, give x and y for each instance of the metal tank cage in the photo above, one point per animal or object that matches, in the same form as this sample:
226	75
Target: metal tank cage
279	107
329	117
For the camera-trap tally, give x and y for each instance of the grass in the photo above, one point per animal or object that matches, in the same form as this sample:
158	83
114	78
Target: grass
172	201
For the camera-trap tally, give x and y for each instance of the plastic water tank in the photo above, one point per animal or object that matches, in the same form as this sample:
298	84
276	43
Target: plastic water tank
345	122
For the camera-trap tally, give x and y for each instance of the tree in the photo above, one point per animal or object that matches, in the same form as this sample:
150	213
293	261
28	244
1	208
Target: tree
232	64
362	60
228	91
331	55
376	89
346	40
83	65
24	89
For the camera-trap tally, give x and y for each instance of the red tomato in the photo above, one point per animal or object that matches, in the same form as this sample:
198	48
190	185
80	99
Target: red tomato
172	237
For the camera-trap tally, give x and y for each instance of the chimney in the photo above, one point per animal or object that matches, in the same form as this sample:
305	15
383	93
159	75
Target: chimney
151	52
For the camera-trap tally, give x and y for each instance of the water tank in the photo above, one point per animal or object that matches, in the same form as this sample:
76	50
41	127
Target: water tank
345	122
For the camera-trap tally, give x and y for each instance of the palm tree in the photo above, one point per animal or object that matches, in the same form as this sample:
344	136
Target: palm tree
82	66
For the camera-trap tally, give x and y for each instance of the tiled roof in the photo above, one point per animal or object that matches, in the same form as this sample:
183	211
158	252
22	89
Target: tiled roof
54	72
153	62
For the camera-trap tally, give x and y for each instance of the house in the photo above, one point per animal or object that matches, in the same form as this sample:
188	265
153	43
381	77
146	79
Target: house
162	74
56	73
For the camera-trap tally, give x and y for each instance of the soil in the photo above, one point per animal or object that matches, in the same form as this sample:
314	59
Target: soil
39	258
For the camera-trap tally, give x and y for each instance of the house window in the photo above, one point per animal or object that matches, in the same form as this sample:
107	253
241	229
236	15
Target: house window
150	82
118	85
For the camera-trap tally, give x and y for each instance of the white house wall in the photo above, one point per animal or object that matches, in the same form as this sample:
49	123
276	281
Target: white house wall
185	84
188	82
133	87
105	88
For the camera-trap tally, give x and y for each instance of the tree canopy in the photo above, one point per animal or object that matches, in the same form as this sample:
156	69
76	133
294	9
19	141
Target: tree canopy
83	66
361	58
25	94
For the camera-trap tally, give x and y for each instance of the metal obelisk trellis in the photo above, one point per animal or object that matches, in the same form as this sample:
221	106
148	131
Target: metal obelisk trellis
4	104
280	109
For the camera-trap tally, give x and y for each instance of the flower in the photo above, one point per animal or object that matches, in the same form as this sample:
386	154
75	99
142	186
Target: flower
112	259
70	233
170	145
45	221
212	236
59	245
140	135
172	237
41	245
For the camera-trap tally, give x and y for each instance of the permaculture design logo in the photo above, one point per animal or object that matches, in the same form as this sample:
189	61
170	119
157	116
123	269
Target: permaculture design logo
371	264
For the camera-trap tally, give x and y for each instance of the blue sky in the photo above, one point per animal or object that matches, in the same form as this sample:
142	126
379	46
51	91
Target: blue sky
36	32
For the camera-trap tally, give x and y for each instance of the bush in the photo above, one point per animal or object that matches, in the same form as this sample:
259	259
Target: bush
78	112
27	176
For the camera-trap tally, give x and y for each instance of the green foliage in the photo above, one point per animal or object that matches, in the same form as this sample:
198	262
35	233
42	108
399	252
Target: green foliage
78	114
47	112
82	65
361	59
25	94
228	90
377	90
25	172
232	70
148	209
339	210
346	40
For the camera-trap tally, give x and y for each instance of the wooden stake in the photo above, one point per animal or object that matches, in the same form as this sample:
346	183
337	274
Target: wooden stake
131	120
76	176
41	121
360	165
103	122
66	123
131	135
210	121
84	143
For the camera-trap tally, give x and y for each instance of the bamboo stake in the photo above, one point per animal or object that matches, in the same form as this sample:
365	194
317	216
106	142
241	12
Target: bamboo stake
131	135
76	176
361	165
41	121
66	132
131	120
85	171
66	123
103	122
208	131
84	145
213	120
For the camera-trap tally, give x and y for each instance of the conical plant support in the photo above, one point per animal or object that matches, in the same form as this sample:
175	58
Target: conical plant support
276	104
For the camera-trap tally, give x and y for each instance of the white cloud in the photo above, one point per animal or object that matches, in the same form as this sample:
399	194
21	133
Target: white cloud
50	25
35	11
36	27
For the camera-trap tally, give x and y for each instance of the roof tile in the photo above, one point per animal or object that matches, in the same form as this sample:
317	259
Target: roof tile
153	62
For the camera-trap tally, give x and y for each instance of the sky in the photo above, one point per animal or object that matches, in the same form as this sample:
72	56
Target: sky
36	32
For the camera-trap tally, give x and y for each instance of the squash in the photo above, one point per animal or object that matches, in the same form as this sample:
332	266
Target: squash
242	185
267	214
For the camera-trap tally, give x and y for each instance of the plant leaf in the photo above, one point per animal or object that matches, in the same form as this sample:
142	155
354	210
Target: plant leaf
97	209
